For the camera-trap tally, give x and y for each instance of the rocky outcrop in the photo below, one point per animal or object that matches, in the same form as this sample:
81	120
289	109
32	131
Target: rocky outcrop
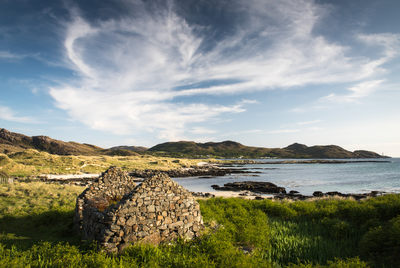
15	142
157	210
352	195
189	172
253	186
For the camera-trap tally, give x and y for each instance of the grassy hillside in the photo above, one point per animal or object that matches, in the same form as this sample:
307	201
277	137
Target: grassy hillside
33	162
36	231
223	149
234	149
11	142
14	142
137	149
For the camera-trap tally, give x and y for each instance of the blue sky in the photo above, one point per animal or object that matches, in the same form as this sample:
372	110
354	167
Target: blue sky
263	73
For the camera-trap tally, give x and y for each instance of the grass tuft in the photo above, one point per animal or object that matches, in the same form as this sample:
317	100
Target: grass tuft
36	230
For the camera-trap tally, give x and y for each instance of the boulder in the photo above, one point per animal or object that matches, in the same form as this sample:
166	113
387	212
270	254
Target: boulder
252	186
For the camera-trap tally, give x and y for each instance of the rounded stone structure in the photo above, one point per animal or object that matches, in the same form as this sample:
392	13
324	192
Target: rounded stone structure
156	210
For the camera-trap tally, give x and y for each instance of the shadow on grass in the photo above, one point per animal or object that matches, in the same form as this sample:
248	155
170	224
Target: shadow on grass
50	226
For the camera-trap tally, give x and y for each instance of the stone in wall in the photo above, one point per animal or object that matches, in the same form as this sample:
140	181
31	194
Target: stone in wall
109	188
157	210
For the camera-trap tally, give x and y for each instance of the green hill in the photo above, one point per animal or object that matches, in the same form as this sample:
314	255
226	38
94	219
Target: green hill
223	149
11	142
14	142
235	149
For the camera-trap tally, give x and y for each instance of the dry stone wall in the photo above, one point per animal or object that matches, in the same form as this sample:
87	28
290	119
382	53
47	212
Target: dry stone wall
157	210
109	188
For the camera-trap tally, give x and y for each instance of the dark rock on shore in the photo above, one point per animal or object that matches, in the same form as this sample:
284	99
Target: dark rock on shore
318	194
242	163
280	193
207	172
190	172
355	196
253	186
204	195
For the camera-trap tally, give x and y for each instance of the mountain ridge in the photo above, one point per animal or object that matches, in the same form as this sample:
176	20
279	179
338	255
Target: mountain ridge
235	149
14	142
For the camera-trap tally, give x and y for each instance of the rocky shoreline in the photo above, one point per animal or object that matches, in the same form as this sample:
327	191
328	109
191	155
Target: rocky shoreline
203	171
238	163
251	186
255	188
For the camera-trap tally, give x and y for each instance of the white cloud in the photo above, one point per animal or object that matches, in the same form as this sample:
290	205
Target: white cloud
311	122
9	115
357	92
10	56
136	72
282	131
247	101
391	43
124	112
202	130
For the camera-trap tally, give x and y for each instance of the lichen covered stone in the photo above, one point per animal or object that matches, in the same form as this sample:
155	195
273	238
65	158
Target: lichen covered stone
115	213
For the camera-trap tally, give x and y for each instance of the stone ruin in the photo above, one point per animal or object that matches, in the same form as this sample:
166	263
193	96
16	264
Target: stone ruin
5	179
116	213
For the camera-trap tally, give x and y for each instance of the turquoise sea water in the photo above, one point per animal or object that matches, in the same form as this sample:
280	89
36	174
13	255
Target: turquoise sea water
307	178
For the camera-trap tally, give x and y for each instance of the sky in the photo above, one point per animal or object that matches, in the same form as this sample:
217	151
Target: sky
260	72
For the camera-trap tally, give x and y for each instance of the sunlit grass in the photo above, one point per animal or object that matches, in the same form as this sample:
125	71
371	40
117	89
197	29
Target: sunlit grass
32	162
36	230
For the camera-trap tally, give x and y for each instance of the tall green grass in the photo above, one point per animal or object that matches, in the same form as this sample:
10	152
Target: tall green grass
36	231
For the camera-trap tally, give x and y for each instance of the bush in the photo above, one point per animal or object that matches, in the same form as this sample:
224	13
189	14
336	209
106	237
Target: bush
241	223
381	245
239	233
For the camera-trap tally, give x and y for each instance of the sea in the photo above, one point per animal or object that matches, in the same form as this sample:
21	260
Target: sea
357	176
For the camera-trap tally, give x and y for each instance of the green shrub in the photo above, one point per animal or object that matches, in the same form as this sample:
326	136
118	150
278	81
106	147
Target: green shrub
239	233
381	245
337	263
278	209
241	222
336	228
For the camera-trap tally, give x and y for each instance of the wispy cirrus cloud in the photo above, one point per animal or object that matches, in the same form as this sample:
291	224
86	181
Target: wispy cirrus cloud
311	122
142	72
7	55
202	130
8	114
282	131
356	92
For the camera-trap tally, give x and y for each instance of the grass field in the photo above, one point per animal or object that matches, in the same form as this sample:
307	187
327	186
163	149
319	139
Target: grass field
31	162
36	231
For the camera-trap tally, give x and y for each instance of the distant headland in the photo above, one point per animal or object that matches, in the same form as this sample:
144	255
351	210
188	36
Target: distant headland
11	142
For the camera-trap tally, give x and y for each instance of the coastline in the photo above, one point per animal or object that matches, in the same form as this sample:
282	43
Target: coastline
236	180
289	197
